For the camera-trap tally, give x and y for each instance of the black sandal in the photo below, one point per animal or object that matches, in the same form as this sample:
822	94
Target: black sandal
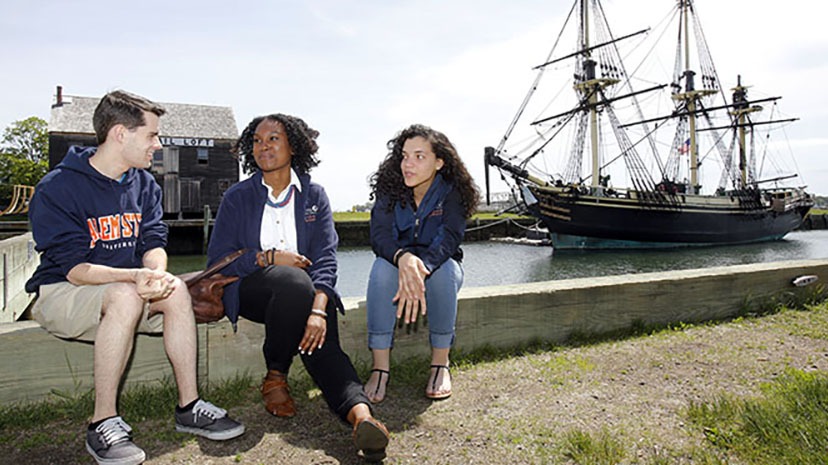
379	383
444	395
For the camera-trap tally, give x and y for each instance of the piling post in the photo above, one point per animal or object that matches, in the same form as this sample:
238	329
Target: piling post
208	215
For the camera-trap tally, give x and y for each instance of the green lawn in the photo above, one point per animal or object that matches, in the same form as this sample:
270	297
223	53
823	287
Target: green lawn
341	217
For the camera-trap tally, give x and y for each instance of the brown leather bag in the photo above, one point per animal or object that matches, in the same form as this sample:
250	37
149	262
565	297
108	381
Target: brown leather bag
207	288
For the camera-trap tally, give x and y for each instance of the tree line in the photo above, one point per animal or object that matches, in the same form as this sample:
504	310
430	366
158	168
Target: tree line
24	155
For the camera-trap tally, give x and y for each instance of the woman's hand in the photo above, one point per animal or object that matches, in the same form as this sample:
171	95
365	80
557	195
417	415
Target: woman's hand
411	292
283	258
314	337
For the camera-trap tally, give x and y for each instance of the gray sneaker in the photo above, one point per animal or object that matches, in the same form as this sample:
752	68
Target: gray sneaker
111	444
205	419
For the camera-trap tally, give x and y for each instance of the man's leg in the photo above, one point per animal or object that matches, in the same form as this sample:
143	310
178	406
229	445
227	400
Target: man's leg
180	341
121	309
192	415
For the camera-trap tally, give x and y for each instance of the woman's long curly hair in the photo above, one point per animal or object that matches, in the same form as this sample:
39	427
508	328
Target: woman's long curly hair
301	137
388	180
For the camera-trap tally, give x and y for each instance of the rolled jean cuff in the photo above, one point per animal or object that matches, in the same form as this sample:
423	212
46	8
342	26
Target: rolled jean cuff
380	341
441	341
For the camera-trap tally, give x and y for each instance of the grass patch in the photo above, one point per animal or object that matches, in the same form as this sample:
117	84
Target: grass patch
594	449
728	434
344	217
152	401
787	424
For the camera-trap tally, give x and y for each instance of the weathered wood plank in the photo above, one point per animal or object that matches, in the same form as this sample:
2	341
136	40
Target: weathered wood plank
32	363
35	364
18	262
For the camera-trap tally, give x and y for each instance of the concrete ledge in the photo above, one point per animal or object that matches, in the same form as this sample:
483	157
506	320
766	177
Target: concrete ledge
19	262
35	364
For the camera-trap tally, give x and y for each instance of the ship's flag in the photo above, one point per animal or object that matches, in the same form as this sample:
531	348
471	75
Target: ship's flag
685	147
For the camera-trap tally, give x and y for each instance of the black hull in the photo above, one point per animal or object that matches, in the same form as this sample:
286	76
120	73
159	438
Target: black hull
606	222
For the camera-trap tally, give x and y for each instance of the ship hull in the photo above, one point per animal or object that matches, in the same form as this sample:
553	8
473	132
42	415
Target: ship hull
661	221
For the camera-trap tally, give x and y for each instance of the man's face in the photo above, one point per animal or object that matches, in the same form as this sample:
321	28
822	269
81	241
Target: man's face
141	142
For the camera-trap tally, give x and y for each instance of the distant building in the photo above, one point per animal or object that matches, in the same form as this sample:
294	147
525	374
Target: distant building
500	201
195	166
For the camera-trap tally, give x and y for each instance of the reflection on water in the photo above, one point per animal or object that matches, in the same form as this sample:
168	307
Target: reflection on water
492	263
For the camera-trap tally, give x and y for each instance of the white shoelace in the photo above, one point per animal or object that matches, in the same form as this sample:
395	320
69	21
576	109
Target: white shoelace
208	410
114	430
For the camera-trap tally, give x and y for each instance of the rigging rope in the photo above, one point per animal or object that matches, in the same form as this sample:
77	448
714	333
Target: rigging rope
504	220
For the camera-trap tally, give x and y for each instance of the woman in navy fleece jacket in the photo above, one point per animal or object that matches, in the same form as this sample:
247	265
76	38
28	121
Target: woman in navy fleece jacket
288	275
424	195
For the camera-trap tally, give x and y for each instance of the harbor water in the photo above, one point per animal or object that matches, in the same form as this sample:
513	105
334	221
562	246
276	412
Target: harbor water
489	263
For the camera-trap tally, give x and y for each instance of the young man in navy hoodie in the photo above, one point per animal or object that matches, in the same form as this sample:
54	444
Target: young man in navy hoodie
96	219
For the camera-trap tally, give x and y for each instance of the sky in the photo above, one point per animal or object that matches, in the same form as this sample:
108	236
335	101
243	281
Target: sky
360	71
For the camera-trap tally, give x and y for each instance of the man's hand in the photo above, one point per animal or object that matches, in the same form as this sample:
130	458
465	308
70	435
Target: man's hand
154	284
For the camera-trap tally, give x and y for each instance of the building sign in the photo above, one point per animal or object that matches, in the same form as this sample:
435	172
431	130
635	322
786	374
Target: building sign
187	141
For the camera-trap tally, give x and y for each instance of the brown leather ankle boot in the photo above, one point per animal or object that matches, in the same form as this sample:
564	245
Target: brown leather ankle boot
276	395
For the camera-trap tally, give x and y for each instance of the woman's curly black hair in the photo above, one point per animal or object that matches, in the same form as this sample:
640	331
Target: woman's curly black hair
301	137
388	180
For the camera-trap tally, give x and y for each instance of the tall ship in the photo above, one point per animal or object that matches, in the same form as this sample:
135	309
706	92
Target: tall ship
658	154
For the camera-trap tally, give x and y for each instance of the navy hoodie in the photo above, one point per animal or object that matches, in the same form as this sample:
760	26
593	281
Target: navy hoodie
78	215
433	232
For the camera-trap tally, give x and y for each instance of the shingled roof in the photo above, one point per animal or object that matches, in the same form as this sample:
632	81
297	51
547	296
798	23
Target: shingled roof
74	116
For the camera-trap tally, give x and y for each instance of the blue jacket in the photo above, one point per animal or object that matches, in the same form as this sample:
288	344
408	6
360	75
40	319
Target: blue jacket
433	232
239	222
78	215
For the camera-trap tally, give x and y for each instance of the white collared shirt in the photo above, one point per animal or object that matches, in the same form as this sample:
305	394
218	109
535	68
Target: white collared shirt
278	218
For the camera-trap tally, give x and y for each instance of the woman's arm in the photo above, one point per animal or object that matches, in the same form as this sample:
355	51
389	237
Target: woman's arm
228	235
383	238
321	246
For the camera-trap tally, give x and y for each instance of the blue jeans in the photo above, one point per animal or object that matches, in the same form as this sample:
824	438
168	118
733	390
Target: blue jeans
441	301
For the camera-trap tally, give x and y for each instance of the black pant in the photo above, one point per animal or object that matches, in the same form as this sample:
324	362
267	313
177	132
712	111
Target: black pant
281	297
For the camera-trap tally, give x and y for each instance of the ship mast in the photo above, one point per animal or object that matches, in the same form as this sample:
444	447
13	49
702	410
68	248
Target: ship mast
691	97
591	86
741	109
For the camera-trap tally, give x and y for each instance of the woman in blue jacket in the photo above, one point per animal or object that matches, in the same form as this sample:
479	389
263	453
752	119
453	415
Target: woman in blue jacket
423	194
288	275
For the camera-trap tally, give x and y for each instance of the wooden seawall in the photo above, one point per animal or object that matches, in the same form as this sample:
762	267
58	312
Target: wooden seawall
19	261
36	364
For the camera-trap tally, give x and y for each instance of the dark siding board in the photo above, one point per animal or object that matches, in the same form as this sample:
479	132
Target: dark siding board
222	165
221	171
59	145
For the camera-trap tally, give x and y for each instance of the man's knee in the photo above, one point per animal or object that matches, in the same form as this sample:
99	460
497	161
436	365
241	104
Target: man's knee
178	300
123	299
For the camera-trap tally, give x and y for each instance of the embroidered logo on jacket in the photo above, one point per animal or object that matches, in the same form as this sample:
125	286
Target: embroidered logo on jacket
438	210
114	228
310	214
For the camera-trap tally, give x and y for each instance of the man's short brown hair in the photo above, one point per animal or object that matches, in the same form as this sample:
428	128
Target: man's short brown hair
120	107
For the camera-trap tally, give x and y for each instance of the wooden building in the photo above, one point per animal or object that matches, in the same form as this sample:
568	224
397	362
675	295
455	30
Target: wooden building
195	166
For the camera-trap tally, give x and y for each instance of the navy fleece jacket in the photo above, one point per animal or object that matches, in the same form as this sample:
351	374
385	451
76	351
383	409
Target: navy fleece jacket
433	232
78	215
239	222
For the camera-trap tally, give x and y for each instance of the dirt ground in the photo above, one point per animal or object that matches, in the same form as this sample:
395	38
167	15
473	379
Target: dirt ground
517	410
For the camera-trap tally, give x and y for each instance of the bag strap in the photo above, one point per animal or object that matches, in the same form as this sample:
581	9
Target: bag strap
216	267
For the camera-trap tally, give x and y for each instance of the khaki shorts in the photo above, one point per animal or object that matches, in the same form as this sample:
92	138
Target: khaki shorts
73	312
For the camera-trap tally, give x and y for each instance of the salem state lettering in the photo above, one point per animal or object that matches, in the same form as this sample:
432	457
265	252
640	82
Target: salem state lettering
113	227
